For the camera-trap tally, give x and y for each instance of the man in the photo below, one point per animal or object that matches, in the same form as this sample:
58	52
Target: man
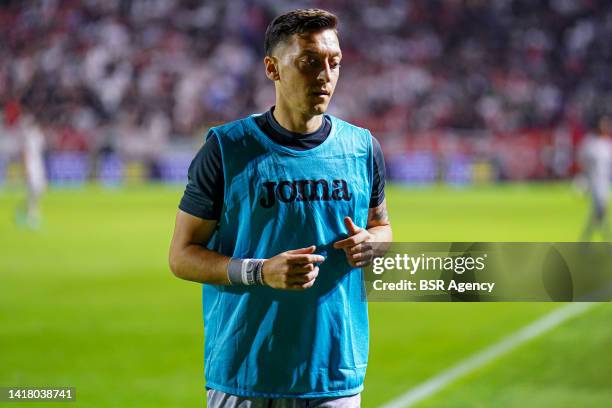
33	146
595	159
276	221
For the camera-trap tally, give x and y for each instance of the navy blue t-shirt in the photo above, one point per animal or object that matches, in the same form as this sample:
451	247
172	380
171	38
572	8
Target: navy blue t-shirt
203	195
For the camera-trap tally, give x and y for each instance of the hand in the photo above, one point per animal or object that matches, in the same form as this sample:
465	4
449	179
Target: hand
358	252
295	269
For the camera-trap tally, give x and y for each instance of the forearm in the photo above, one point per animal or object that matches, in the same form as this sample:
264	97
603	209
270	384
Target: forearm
379	226
198	264
295	269
379	229
381	233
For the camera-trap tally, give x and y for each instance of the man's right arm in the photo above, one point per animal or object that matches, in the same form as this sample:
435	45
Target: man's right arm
189	259
196	221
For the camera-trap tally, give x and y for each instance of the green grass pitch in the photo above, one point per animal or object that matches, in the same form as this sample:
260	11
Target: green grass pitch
88	301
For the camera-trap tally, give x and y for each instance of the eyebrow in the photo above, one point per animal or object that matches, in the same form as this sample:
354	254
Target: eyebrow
311	52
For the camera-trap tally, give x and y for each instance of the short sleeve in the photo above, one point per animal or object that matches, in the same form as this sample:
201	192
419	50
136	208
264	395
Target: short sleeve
379	177
203	196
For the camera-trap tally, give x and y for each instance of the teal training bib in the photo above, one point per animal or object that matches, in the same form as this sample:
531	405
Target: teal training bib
269	342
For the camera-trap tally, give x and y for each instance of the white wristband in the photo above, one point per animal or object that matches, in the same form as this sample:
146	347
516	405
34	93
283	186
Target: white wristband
245	271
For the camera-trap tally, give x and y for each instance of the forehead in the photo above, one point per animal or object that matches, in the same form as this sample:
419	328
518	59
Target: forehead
321	42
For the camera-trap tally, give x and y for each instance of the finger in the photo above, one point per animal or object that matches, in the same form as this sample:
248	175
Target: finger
302	286
307	250
305	277
357	257
356	249
300	269
308	285
365	254
352	241
305	258
351	227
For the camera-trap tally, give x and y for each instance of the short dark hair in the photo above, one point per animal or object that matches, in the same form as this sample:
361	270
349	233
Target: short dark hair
297	22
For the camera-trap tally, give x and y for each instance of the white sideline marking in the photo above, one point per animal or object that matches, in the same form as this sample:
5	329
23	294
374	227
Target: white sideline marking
481	358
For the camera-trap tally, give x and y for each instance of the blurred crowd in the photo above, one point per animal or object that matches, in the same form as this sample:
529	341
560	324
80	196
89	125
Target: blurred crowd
132	75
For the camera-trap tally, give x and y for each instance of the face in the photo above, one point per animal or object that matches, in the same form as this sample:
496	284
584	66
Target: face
305	71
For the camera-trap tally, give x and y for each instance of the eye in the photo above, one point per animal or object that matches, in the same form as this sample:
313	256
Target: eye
334	65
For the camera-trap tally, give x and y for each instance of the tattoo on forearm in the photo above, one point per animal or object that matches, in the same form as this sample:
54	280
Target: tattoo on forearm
380	213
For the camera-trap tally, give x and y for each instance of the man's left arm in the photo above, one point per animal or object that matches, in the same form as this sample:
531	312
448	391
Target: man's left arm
358	246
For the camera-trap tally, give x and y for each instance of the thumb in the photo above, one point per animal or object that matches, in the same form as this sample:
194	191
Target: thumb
350	226
307	250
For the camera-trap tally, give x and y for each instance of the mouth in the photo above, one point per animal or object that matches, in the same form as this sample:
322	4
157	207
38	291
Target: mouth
320	93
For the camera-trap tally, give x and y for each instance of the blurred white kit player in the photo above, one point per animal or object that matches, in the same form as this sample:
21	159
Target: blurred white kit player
595	158
33	146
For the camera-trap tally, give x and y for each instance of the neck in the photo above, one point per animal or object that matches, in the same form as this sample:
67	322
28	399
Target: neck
296	122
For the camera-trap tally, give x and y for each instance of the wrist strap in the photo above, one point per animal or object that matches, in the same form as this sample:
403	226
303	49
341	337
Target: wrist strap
245	271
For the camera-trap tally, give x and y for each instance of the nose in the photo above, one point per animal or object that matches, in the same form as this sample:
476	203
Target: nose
325	74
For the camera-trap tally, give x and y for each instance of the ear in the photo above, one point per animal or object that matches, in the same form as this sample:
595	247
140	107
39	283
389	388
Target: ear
271	64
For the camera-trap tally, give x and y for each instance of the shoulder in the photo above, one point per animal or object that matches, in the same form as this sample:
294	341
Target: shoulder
235	129
353	131
344	125
376	145
353	134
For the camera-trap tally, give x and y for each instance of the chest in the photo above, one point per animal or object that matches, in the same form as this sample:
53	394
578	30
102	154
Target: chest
274	180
